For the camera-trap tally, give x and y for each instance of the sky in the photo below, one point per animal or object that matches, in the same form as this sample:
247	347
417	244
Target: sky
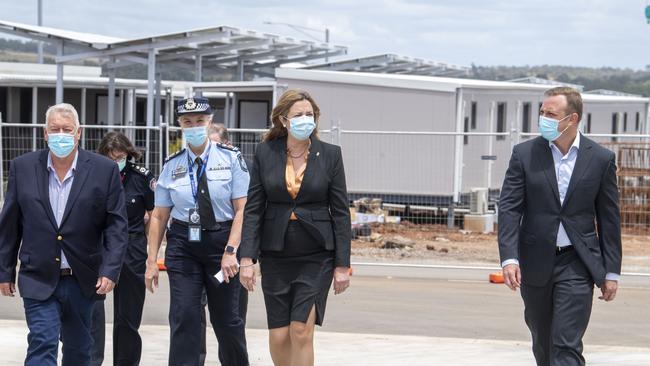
591	33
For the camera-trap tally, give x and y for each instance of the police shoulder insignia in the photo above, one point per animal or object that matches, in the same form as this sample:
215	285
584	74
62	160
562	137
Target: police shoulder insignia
227	147
242	163
141	170
174	155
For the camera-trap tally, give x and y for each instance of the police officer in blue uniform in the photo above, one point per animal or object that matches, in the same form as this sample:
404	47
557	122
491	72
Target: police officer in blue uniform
139	184
203	188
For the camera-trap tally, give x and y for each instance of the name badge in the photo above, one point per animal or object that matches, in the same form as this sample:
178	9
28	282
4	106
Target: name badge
179	172
194	226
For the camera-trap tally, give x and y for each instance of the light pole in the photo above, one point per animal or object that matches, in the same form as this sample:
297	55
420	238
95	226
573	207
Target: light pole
40	23
302	29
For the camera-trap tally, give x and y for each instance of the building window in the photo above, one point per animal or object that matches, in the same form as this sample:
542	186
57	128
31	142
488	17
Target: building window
465	137
525	118
588	123
614	125
473	114
625	122
501	119
638	122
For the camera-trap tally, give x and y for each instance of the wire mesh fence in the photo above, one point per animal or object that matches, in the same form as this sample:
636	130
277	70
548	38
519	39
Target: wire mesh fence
392	176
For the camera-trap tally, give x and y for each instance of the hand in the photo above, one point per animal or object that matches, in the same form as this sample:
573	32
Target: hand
7	289
104	285
247	274
229	266
608	289
341	279
151	275
512	276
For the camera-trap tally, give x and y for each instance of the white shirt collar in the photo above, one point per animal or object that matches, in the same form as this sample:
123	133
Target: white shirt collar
193	156
576	143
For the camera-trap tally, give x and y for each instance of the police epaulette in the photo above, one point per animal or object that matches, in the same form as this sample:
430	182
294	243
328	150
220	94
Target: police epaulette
172	156
228	147
139	169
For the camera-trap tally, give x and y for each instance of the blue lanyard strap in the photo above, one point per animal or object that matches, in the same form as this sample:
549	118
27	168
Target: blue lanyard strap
199	174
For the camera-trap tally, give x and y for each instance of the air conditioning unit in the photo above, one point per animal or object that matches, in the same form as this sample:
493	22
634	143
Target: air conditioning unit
478	202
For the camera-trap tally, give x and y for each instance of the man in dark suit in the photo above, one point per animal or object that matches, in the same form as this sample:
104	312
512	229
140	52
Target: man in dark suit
66	205
559	228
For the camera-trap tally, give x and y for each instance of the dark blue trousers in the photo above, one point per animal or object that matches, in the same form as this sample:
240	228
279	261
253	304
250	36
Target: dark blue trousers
66	316
191	268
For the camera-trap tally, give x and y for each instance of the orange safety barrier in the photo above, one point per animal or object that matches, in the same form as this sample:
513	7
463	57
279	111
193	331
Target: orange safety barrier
496	277
161	264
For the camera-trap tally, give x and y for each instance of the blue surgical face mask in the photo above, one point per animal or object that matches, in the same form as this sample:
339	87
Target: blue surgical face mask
302	127
121	164
548	127
195	136
60	144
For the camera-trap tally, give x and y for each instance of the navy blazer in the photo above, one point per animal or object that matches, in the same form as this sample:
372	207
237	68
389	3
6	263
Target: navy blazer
322	204
92	234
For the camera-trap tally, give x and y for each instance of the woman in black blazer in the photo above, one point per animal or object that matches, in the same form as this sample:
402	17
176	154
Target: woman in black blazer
297	222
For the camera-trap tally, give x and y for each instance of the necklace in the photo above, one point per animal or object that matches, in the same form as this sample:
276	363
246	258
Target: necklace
299	155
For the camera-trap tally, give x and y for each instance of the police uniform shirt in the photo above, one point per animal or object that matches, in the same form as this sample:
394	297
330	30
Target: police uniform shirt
139	185
226	174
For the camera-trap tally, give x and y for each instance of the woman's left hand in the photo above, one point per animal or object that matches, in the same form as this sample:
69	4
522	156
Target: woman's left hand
341	279
229	266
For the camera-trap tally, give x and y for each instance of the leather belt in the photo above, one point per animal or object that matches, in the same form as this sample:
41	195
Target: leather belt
217	226
66	272
562	250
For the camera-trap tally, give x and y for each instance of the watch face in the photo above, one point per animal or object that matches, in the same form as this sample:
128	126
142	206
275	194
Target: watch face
230	249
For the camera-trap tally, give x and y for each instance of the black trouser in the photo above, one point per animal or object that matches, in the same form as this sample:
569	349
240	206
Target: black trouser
191	268
558	314
128	302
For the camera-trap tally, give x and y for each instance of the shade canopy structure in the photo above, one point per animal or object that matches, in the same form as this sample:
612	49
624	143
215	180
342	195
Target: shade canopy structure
221	49
393	64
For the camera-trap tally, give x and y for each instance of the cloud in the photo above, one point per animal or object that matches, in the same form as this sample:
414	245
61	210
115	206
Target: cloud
508	32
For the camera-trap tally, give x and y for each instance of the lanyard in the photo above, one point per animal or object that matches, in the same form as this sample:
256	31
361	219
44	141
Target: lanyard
199	174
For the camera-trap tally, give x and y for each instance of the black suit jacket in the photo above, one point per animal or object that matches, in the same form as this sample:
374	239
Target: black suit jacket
92	234
322	204
530	212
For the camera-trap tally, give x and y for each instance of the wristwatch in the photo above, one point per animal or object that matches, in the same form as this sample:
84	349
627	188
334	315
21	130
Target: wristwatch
230	250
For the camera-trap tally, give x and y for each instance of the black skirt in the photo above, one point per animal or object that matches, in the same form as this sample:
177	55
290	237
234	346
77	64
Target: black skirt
296	279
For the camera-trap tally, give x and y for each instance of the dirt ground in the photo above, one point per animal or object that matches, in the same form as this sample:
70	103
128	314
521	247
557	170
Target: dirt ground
435	244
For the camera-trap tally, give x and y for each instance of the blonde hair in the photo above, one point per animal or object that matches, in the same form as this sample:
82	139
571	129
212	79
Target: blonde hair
281	109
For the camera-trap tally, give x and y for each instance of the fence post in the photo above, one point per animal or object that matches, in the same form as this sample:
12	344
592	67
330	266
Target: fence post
458	157
160	146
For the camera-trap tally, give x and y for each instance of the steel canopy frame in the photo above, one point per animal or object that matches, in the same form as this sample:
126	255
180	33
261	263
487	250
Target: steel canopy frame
222	48
393	64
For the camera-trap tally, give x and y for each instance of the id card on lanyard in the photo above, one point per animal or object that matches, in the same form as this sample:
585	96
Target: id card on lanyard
194	217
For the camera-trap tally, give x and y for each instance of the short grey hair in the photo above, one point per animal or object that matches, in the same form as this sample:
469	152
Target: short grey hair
220	129
63	109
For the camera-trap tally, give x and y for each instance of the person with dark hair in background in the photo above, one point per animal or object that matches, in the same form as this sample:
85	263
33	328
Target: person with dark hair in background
297	222
128	299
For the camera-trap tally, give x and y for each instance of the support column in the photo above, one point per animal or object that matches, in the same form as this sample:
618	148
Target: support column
59	75
34	115
151	81
110	120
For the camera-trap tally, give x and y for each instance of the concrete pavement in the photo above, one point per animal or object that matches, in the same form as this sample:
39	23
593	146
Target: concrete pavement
352	349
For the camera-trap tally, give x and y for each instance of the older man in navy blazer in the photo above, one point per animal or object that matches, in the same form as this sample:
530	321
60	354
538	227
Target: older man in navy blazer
66	206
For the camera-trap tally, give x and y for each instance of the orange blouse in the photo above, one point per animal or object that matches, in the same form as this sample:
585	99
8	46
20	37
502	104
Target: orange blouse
294	179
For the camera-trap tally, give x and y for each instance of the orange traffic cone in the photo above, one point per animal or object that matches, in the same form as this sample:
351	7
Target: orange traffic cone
496	277
161	264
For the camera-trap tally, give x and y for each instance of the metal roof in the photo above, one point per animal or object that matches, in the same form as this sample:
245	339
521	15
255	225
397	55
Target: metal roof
432	83
40	32
612	92
541	81
219	49
393	64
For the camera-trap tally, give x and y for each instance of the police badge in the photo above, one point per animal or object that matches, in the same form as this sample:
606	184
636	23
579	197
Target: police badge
194	226
190	104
